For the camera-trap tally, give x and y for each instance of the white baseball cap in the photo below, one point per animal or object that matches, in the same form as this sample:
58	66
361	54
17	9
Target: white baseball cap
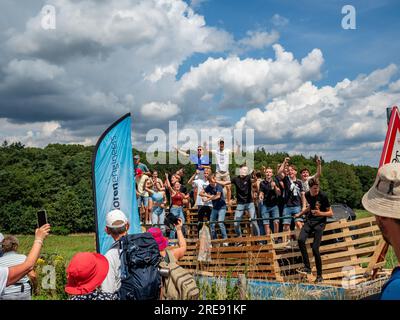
114	216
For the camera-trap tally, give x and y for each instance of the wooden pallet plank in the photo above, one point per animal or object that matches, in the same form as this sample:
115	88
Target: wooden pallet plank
376	257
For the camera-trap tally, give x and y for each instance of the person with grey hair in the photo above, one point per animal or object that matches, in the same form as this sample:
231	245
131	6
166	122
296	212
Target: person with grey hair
22	290
1	240
383	200
117	226
11	275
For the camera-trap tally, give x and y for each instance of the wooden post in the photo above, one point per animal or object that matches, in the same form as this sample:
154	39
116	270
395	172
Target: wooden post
242	283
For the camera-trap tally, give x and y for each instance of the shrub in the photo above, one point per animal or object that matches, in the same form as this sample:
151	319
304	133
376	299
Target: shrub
60	230
51	277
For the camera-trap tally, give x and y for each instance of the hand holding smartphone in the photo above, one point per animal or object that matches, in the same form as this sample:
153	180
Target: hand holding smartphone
41	218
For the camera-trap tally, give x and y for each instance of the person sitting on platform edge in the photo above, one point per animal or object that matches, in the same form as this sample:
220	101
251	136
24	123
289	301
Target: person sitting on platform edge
316	212
383	200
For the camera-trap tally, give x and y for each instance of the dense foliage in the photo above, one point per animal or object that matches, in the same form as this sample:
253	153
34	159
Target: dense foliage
58	178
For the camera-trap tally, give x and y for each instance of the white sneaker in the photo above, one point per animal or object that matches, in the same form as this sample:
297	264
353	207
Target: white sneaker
225	244
288	244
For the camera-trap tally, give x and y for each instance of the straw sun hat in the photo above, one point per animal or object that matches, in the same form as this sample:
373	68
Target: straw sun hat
383	199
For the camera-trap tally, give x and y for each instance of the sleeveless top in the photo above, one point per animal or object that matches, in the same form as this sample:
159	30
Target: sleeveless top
177	199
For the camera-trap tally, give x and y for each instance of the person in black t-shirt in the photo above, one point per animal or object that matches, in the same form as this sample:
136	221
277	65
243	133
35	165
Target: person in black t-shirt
243	185
269	192
316	212
293	196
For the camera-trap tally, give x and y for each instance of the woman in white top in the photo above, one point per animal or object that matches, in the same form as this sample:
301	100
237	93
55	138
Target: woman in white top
22	289
11	275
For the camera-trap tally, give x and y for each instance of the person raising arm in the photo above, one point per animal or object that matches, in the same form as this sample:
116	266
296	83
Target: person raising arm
11	275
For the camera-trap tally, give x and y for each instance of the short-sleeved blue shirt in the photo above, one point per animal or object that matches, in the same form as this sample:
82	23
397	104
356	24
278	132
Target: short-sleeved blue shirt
391	289
198	161
219	203
142	167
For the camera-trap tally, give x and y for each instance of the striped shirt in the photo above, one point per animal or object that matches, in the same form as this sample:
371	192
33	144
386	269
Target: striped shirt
3	278
11	259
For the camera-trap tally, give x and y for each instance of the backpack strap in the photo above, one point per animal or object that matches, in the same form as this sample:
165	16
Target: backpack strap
170	256
122	254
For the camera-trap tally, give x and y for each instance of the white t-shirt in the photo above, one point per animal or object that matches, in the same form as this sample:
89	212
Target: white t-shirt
142	185
306	187
222	158
3	278
200	184
11	259
112	282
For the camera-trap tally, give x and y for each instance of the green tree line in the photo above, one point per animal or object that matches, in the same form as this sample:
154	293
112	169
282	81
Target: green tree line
58	178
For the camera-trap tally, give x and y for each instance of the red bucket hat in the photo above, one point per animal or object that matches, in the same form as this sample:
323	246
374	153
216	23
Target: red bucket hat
160	239
86	272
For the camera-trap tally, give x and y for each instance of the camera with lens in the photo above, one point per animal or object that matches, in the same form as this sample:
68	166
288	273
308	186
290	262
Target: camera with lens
171	220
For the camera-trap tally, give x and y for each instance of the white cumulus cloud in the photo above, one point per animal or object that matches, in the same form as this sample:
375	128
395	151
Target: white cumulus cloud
159	110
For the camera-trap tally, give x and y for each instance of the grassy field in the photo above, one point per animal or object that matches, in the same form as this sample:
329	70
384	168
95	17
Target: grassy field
65	246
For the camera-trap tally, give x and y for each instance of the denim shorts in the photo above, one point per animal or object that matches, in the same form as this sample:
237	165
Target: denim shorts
269	212
144	200
158	210
291	211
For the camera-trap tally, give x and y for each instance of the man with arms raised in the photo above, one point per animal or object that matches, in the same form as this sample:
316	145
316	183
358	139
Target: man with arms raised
305	175
223	159
269	192
243	184
293	195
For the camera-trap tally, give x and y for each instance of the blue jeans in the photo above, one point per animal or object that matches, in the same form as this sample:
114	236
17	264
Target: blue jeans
157	218
177	212
241	207
291	211
269	212
144	200
220	215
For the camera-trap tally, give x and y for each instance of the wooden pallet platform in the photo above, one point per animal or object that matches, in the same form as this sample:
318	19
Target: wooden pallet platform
347	250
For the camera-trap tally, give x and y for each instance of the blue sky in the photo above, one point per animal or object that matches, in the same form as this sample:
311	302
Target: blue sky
315	24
